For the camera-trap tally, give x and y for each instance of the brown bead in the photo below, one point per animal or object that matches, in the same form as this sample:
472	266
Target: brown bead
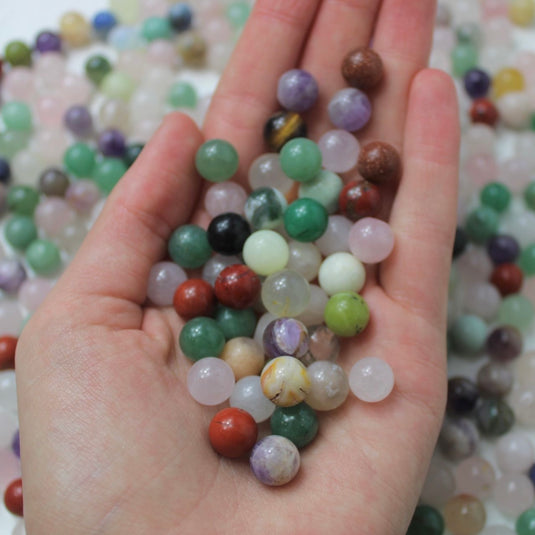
13	497
244	356
362	68
508	278
358	199
8	345
464	515
53	182
193	298
379	162
484	111
283	126
192	48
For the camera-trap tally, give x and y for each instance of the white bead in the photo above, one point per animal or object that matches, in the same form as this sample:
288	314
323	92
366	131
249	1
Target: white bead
371	379
514	452
341	272
305	258
248	395
265	252
210	381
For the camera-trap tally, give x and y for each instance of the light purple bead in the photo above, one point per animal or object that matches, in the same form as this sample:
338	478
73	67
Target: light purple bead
112	143
339	150
275	460
297	90
82	195
285	337
79	121
164	279
15	444
350	109
48	42
371	240
12	275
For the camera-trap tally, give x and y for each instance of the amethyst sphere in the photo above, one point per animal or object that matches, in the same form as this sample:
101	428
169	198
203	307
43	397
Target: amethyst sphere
503	249
350	109
476	83
297	90
286	337
275	460
48	42
79	121
112	143
12	275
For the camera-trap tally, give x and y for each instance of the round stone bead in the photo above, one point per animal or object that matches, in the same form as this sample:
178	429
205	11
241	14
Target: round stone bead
164	279
476	83
504	343
323	344
285	381
525	523
18	54
8	346
298	424
300	159
224	197
264	208
156	28
118	85
237	13
82	195
282	127
193	298
336	235
266	252
248	395
12	275
237	286
464	58
439	484
5	171
464	515
341	272
339	151
131	153
285	337
305	220
210	381
235	323
426	520
371	379
78	121
75	29
329	386
201	337
507	80
108	172
359	199
475	476
494	417
244	356
347	314
22	200
103	22
514	452
494	379
53	182
481	224
266	171
371	240
227	233
324	188
379	162
20	231
468	334
216	160
112	143
522	400
463	395
182	95
189	247
484	111
96	68
275	460
362	68
13	499
315	311
529	195
513	494
192	48
232	432
458	439
180	16
516	310
503	248
508	278
17	116
79	160
297	90
350	109
285	293
43	257
496	195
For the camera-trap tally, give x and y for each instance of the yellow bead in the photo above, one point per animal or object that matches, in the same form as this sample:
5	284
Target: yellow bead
522	12
507	80
74	29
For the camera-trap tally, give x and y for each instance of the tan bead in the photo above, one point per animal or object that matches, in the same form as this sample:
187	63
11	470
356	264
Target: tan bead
244	356
192	48
75	29
285	381
464	515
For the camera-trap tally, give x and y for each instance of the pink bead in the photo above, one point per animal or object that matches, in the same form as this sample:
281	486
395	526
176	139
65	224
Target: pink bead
50	111
336	236
49	70
9	467
75	89
516	174
225	197
475	476
216	30
164	279
514	452
340	150
153	8
371	240
32	292
210	381
18	84
133	63
53	214
499	32
481	169
266	171
162	52
82	195
439	485
513	494
494	8
371	379
474	265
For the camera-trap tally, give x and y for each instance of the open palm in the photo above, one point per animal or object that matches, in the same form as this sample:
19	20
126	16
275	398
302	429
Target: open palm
111	440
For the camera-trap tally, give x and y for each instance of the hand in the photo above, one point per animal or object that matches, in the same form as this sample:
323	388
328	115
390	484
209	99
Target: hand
111	440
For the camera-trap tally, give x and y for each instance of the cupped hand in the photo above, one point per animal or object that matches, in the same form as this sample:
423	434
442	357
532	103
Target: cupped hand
112	443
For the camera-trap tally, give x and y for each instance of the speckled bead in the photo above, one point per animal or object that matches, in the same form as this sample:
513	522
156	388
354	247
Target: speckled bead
285	381
275	460
362	68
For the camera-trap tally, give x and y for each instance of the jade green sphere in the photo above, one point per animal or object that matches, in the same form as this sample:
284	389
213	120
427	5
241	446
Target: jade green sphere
481	224
238	13
527	260
298	424
132	152
18	53
20	231
182	95
17	116
43	257
464	57
22	200
426	520
525	523
497	196
79	159
108	172
235	323
468	334
529	196
216	160
346	314
201	337
12	141
96	68
301	159
325	188
516	310
156	28
189	247
305	220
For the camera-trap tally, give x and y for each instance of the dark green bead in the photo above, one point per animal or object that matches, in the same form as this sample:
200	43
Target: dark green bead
495	195
22	199
529	196
525	523
43	257
131	153
235	323
494	417
96	68
527	260
481	224
201	337
216	160
79	159
182	95
426	520
305	220
298	424
18	53
108	172
301	159
20	231
189	247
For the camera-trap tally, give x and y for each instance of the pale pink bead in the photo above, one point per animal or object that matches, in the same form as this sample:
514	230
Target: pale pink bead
134	63
474	476
51	144
480	139
11	320
439	485
494	8
224	197
444	39
82	195
18	84
49	70
481	298
371	240
314	313
158	80
219	55
340	150
474	265
144	106
513	494
50	111
9	467
498	32
32	292
216	30
371	379
522	401
497	530
514	452
481	169
528	290
153	8
210	381
70	238
162	52
266	171
52	214
524	368
514	109
336	236
516	174
164	279
75	89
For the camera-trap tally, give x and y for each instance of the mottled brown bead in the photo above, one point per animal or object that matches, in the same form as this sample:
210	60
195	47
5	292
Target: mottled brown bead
192	48
53	182
283	126
362	68
379	162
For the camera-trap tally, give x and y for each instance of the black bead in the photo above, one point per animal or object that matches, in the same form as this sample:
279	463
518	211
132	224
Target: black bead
283	126
462	396
461	241
5	171
227	233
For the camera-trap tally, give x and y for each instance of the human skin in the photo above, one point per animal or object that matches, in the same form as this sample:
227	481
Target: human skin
112	443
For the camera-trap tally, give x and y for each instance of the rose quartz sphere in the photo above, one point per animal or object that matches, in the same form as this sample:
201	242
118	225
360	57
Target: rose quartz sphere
371	240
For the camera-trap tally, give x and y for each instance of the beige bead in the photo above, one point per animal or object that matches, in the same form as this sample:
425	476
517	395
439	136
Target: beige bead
285	381
75	29
244	356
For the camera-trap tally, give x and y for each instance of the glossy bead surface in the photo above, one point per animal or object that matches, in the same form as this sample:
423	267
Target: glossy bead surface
439	484
347	314
244	356
305	258
188	246
8	345
13	497
97	67
484	111
236	322
324	188
494	379
504	343
264	208
426	520
17	54
508	278
323	344
300	159
464	515
275	460
227	233
339	151
514	452
194	297
371	379
362	68
468	334
507	80
359	199
458	439
513	494
516	310
79	159
341	272
43	256
297	90
525	523
22	200
475	476
285	293
350	109
75	29
248	395
192	48
266	252
232	432
298	424
285	337
216	160
481	224
476	83
463	395
305	220
494	417
336	235
210	381
237	286
329	386
53	182
164	279
108	172
20	231
224	197
371	240
379	162
285	381
266	171
282	127
201	337
503	248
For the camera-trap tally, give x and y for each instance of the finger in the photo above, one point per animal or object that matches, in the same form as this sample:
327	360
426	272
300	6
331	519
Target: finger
424	212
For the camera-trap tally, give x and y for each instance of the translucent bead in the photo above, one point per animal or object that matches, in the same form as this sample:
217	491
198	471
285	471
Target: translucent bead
224	197
285	293
264	208
8	391
522	12
475	476
266	252
340	150
210	381
522	401
52	215
248	395
305	258
439	485
329	386
371	240
514	453
32	292
164	279
323	345
266	171
464	515
513	494
134	63
371	379
494	379
215	265
335	237
263	322
118	85
315	310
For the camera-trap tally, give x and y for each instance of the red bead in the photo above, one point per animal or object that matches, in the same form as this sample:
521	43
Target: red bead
8	344
13	497
237	286
193	298
484	111
359	199
233	432
508	278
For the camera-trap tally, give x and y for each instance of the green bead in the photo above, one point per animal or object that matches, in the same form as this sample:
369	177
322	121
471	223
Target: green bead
201	337
325	188
43	257
346	314
108	172
527	260
305	220
468	334
481	224
525	523
469	33
17	116
495	195
96	68
494	417
532	121
131	153
22	199
20	231
235	323
182	95
529	196
301	159
189	247
18	53
79	159
298	424
426	520
238	13
516	310
464	57
117	84
12	142
216	160
156	28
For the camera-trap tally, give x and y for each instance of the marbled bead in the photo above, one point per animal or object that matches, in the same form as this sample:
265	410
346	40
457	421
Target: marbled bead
264	208
244	356
285	381
504	343
503	248
494	379
297	90
12	275
494	417
463	395
283	126
285	336
329	386
458	439
362	68
464	515
350	109
379	162
275	460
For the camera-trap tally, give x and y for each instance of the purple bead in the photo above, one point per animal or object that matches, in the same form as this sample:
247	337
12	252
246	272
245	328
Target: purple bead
503	249
48	42
285	337
79	121
463	395
504	343
275	460
476	83
112	143
350	109
297	90
15	444
12	275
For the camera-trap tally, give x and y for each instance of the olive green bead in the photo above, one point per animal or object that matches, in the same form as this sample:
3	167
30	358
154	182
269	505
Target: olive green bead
325	188
235	323
346	314
525	523
108	172
22	199
201	337
298	424
238	13
527	260
79	159
426	520
18	53
131	153
516	310
96	68
216	160
529	196
20	231
156	28
305	220
481	224
496	195
17	116
301	159
189	247
43	257
464	57
468	334
494	417
182	95
118	85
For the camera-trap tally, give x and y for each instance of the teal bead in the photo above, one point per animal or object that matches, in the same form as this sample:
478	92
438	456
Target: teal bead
189	247
426	520
156	28
43	257
468	334
464	57
182	95
481	224
217	160
131	153
107	172
346	314
325	188
20	231
264	208
516	310
529	196
301	159
235	323
298	424
305	220
525	523
238	13
201	337
496	195
17	116
96	68
527	260
22	200
79	159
